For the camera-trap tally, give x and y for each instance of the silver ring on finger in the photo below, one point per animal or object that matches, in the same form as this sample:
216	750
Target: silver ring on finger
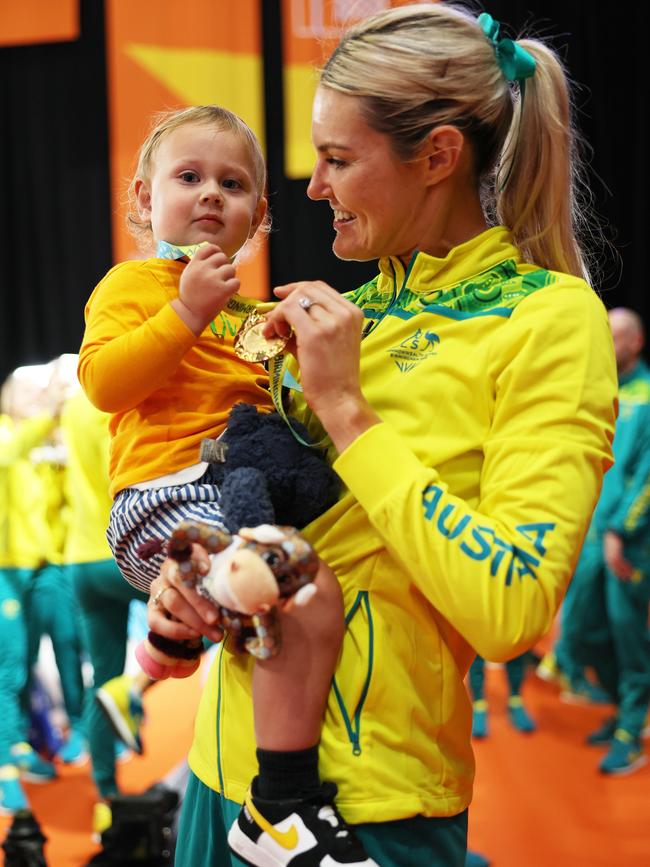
306	302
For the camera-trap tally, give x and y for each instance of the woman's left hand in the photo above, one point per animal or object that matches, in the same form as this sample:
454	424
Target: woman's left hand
175	609
326	340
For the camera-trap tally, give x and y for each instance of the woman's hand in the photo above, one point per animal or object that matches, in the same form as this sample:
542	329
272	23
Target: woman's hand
326	340
175	610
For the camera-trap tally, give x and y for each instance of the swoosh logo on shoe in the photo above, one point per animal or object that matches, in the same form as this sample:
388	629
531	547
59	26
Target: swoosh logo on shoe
286	839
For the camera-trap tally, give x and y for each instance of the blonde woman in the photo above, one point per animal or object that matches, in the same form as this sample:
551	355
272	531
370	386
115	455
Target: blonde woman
471	426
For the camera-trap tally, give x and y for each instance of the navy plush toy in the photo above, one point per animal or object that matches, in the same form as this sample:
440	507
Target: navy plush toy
268	481
266	476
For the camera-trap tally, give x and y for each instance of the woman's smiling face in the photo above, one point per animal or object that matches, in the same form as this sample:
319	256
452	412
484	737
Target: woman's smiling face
374	195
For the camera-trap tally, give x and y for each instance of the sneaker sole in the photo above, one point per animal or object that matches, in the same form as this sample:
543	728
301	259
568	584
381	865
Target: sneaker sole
629	769
115	718
249	853
253	856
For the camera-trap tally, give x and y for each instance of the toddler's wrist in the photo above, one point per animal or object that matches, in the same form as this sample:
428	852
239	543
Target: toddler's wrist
194	320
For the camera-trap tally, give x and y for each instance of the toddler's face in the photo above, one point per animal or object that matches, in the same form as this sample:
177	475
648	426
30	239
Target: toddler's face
202	188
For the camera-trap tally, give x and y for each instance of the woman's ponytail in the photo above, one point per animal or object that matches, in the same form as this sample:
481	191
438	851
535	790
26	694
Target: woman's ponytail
538	187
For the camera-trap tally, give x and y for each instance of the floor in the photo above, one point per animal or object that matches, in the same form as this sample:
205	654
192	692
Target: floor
539	800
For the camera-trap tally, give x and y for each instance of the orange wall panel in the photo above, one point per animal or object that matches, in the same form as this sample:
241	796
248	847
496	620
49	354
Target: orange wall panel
175	54
311	30
28	22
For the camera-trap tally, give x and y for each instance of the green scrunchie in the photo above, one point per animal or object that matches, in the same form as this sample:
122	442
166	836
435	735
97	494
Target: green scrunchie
515	62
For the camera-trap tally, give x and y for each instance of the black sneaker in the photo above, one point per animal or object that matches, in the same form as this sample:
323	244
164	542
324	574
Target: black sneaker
305	832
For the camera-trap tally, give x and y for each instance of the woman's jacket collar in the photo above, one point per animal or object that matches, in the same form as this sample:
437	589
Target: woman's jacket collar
463	262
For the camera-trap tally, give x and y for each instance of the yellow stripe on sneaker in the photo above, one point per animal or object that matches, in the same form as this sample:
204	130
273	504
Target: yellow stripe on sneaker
102	818
286	839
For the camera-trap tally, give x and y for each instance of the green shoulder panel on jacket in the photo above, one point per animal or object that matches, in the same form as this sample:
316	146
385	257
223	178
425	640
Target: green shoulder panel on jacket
372	297
501	287
497	291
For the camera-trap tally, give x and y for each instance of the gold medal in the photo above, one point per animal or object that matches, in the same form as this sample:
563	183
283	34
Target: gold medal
250	343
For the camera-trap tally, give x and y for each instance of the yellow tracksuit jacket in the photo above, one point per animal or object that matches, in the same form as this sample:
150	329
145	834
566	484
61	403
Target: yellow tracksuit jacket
25	536
50	472
86	435
164	387
463	517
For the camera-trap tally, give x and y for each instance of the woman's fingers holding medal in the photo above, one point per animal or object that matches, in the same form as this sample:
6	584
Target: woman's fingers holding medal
308	294
326	340
301	304
175	609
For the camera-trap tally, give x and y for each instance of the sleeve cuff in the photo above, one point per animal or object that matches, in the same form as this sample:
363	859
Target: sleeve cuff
170	325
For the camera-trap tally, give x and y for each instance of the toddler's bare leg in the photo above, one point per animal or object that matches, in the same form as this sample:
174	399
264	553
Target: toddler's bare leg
290	690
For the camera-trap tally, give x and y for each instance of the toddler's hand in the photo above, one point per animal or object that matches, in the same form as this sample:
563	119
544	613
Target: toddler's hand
208	281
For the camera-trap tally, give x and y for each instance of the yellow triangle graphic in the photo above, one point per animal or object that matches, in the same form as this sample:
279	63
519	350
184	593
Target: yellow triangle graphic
300	82
200	76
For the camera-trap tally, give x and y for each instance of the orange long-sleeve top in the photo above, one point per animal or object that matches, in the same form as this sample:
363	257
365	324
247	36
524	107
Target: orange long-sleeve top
165	388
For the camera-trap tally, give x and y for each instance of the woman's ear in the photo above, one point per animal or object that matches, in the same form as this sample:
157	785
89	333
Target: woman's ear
443	149
143	199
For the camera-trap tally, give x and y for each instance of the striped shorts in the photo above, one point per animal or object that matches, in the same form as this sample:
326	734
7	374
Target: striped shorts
151	515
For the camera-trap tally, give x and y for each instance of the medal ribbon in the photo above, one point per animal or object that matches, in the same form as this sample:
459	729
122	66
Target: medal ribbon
240	308
277	367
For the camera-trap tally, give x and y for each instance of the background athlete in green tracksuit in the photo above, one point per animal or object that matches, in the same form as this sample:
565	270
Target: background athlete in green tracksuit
605	621
515	671
29	415
103	595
